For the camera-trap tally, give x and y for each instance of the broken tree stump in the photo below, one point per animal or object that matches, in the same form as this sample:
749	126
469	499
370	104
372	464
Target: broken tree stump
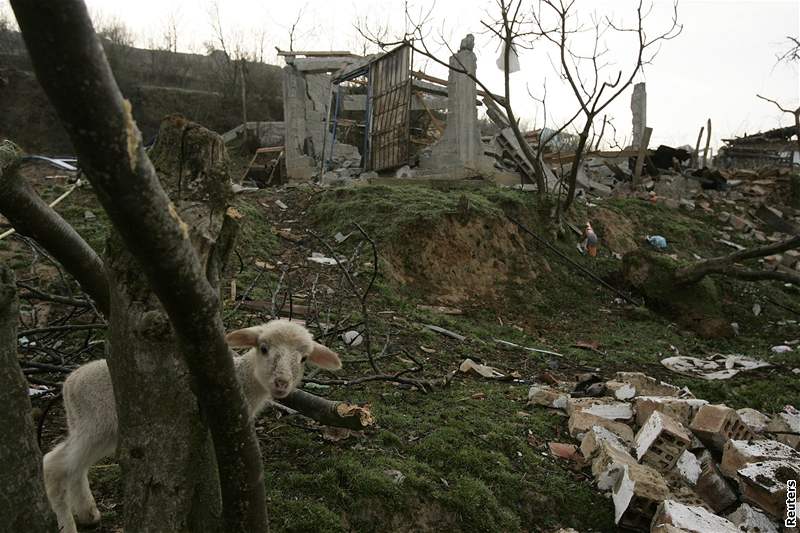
696	306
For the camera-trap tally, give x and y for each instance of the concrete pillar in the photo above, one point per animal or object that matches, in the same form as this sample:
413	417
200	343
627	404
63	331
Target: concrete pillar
460	150
299	166
639	112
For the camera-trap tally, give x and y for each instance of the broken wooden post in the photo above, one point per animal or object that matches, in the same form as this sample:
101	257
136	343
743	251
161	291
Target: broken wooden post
641	156
696	156
708	142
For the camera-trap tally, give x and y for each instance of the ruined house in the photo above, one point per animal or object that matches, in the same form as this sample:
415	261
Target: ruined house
349	115
778	147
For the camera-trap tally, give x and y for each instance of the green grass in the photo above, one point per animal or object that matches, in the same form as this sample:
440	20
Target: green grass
473	458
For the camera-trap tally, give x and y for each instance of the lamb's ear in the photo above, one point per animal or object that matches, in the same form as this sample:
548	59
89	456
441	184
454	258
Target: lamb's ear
243	337
325	358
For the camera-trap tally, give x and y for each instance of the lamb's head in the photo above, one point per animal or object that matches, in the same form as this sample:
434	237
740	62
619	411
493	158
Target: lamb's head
280	350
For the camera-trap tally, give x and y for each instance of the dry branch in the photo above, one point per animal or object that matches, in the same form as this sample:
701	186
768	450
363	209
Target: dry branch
328	412
726	265
31	216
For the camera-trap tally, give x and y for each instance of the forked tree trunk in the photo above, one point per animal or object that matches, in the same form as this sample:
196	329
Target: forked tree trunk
165	453
23	503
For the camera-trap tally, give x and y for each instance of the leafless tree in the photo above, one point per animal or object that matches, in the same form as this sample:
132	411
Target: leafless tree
158	285
557	24
511	25
792	55
518	25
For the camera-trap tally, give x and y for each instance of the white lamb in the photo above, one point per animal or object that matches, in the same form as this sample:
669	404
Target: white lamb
272	368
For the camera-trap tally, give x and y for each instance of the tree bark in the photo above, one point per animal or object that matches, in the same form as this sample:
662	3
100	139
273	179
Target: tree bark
31	216
23	503
164	449
73	71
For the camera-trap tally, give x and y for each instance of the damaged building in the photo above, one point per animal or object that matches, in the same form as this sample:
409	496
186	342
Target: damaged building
778	147
347	115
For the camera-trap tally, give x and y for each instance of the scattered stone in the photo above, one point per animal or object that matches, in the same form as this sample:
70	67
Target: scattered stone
715	425
88	215
282	205
404	172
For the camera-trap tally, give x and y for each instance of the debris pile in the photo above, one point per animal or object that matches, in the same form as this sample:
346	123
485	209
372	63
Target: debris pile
675	463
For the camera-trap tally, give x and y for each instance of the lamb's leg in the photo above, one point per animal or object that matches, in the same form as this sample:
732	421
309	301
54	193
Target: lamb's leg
79	495
55	482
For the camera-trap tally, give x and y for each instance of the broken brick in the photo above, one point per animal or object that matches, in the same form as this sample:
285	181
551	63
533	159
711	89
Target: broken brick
609	455
580	422
739	453
749	520
661	441
764	485
603	407
682	410
715	425
592	439
647	386
755	420
690	519
712	486
637	494
547	397
620	390
787	421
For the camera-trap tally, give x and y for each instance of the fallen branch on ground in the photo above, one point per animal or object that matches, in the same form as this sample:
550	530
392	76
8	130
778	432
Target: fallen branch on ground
726	265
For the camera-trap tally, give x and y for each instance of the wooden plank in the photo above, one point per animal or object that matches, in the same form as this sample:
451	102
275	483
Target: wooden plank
289	53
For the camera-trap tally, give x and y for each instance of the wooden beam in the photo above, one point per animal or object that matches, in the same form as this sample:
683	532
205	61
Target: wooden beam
708	142
696	156
433	79
286	53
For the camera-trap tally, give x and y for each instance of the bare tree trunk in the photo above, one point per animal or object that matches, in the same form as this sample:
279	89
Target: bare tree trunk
23	503
74	73
573	172
164	448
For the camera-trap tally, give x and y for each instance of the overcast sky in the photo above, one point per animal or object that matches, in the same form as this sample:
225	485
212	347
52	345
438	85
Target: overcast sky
724	56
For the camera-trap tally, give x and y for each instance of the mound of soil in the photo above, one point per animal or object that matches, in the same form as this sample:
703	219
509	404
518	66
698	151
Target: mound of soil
457	260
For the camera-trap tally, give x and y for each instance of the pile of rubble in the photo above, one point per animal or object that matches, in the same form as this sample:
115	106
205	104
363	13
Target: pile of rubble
674	463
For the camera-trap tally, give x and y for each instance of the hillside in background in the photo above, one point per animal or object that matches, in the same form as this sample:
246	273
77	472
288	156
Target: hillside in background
203	88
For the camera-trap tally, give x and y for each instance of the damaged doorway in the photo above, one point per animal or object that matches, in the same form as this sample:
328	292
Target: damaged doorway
390	99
